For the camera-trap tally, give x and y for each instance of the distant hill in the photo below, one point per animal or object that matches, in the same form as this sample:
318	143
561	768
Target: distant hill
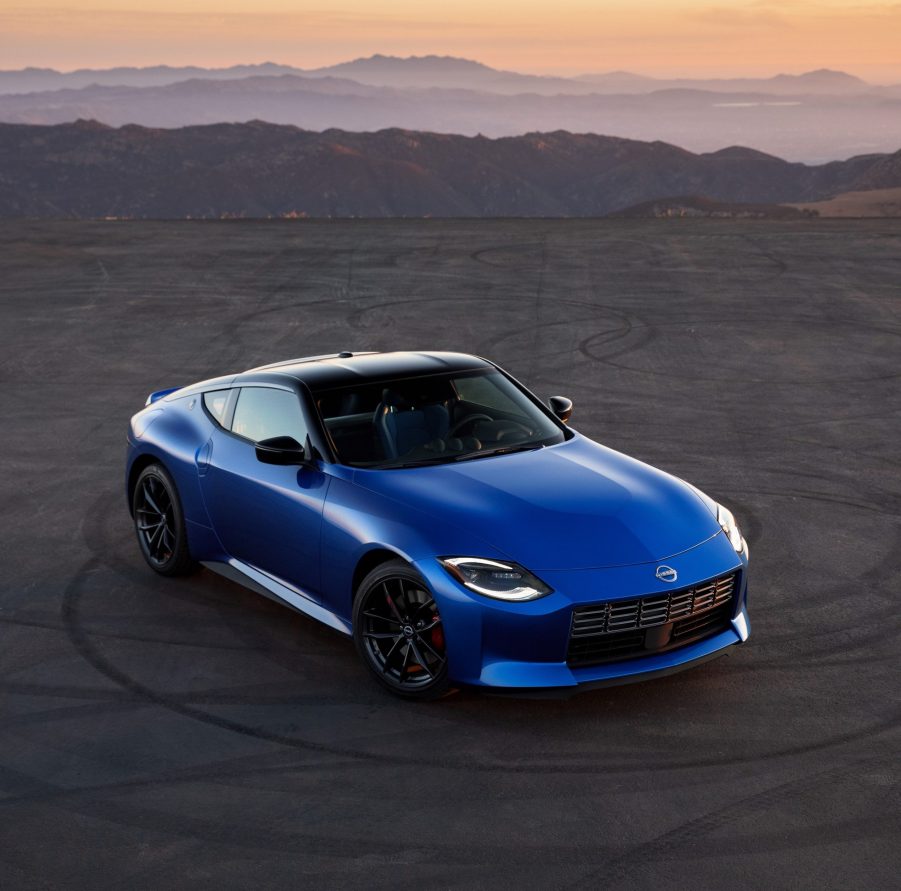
809	128
423	72
701	206
31	80
258	169
822	82
883	174
449	72
872	203
417	72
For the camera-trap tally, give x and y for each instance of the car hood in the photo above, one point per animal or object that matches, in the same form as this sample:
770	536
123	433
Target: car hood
576	505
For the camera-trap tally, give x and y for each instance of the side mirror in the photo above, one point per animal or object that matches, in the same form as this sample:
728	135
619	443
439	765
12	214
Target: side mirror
561	407
281	450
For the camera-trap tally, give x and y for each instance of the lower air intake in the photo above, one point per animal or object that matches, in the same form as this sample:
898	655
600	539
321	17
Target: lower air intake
624	629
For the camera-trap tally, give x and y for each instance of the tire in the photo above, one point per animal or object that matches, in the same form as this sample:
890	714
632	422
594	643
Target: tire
160	522
398	632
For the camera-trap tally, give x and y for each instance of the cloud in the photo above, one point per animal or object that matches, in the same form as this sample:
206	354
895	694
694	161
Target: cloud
756	17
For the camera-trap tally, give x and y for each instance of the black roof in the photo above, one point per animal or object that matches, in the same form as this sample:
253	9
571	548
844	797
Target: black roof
344	369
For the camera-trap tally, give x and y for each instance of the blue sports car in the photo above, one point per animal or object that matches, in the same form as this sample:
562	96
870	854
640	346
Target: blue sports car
431	507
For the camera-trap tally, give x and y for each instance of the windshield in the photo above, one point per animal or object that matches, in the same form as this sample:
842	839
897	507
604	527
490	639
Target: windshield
435	419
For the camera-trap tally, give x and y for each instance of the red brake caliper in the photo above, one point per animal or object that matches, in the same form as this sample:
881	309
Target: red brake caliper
437	635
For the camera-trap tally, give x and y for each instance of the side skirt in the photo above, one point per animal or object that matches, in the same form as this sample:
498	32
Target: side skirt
279	591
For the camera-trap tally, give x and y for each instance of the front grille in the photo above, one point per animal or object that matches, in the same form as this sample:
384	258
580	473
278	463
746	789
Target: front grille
624	629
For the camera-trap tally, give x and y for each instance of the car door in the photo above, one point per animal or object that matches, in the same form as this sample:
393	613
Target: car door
266	515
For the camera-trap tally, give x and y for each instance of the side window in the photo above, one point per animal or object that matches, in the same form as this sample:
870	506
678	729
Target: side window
263	412
216	403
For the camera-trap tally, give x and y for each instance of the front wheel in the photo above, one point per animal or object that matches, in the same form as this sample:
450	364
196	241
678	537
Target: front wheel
160	522
398	632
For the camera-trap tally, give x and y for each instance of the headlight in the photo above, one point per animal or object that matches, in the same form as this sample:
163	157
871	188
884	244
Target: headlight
503	581
726	519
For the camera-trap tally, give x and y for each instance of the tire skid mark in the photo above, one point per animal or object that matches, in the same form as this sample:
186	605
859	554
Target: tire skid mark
134	638
528	250
687	835
248	837
780	266
589	348
81	641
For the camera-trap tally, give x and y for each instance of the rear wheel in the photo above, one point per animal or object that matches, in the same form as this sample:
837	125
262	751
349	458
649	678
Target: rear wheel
160	522
398	632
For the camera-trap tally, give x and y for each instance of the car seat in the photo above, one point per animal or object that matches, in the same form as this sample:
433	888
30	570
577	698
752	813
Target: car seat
402	427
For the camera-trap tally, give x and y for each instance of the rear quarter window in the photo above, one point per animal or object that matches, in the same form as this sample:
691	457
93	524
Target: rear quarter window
216	403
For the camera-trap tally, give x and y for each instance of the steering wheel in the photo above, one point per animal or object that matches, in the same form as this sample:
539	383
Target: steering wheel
502	434
469	419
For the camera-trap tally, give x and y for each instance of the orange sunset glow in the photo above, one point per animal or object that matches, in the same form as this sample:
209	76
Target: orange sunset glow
662	37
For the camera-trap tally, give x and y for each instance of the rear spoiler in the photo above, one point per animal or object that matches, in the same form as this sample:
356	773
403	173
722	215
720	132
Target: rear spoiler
160	394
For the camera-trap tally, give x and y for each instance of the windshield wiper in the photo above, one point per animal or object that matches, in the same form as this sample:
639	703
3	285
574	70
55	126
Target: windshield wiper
504	450
422	462
466	456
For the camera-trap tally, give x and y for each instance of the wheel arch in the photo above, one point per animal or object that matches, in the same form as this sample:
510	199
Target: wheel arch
372	559
137	468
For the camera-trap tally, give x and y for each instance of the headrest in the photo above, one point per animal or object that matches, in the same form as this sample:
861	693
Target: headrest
392	398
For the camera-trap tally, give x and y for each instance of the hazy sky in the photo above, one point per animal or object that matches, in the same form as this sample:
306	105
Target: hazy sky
675	37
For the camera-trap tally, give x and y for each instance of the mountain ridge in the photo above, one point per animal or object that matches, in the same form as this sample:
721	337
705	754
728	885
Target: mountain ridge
89	170
808	128
429	70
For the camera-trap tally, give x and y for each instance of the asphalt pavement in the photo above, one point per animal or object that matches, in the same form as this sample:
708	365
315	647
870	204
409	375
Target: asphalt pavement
159	733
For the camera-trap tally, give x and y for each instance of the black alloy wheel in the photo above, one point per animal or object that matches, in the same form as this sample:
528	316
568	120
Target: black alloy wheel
159	522
399	634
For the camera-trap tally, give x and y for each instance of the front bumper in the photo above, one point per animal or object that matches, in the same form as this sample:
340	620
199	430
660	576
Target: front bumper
523	646
540	675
